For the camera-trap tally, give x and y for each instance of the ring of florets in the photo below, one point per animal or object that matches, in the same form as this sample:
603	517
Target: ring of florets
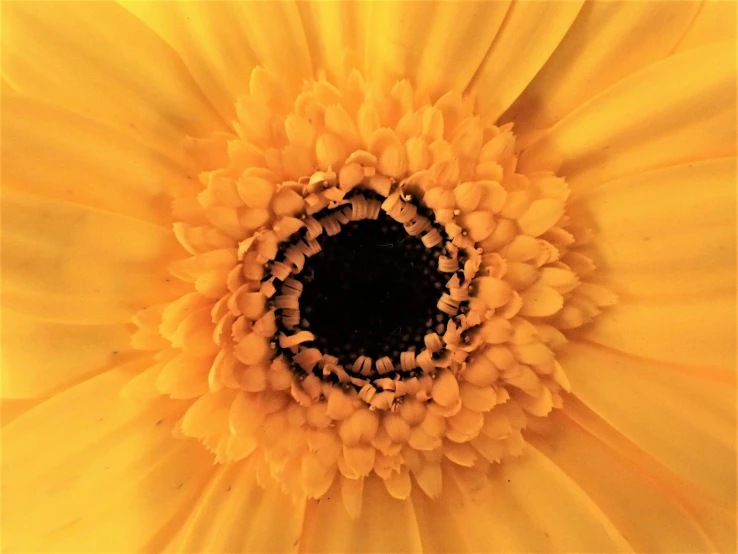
383	382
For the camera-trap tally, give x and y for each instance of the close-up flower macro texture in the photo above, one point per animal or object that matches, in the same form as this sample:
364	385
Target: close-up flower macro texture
305	277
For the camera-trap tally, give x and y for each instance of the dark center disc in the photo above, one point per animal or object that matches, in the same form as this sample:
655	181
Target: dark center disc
372	291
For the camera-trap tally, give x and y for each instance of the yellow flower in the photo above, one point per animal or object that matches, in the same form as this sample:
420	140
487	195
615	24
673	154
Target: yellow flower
304	277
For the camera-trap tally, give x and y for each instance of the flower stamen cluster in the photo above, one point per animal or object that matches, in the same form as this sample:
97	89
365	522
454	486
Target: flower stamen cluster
294	175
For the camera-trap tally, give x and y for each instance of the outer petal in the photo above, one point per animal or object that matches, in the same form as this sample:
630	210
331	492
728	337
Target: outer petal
683	416
643	500
209	39
714	23
666	233
220	42
100	167
438	45
680	330
385	525
12	409
70	263
40	356
528	505
607	42
337	33
97	59
652	119
277	38
89	472
718	522
6	86
235	514
531	32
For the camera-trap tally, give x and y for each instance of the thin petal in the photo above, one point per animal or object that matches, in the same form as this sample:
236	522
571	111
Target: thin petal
575	525
12	408
666	232
718	522
71	263
652	119
209	39
385	525
528	505
277	38
642	505
530	33
684	417
714	23
692	331
89	472
607	42
220	42
101	167
455	38
98	60
39	356
235	514
6	86
336	32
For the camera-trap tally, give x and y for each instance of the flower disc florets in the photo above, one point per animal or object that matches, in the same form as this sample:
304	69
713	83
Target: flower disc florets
271	198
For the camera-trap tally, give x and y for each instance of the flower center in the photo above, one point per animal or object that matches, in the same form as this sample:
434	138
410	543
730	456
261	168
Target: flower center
376	290
372	291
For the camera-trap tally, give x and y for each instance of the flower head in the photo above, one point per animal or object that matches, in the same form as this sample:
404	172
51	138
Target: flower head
327	275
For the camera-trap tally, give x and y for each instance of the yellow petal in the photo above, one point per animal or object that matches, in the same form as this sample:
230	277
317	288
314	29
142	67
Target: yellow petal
669	231
120	73
233	512
352	492
276	36
211	42
479	399
649	120
718	521
665	523
255	191
479	224
41	356
93	442
455	35
531	32
495	292
428	478
468	195
12	408
544	511
71	263
714	23
398	484
360	459
540	216
541	301
693	331
207	419
684	417
39	158
328	527
184	376
607	42
7	86
333	30
252	349
445	389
